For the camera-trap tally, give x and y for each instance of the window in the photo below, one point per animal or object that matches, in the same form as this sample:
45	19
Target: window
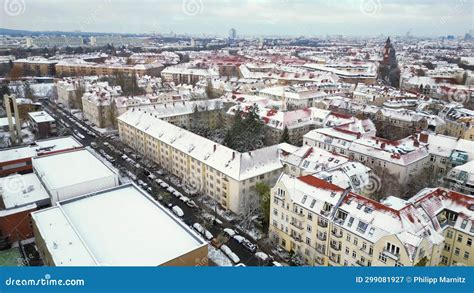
457	251
308	240
393	249
447	247
382	257
464	224
459	238
444	260
308	228
362	227
356	240
349	223
354	255
449	234
310	216
466	255
348	237
275	212
275	224
347	250
469	241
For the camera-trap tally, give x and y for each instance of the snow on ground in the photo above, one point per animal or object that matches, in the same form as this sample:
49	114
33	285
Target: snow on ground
218	257
253	232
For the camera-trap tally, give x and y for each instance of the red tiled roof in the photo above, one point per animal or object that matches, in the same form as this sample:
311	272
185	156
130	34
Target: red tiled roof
316	182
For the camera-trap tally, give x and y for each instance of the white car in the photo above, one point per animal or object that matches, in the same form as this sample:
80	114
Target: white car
208	235
177	211
239	238
230	253
198	227
229	232
262	256
184	199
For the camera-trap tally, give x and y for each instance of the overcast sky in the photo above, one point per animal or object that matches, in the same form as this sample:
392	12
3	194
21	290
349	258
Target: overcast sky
248	17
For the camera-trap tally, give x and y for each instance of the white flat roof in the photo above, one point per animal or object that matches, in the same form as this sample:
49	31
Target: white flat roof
40	146
122	226
70	168
22	190
41	117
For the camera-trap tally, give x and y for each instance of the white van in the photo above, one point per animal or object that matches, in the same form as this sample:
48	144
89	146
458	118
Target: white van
177	211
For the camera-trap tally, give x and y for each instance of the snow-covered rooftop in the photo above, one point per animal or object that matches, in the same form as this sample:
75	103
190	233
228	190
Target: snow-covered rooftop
41	117
239	166
122	226
21	191
38	148
70	168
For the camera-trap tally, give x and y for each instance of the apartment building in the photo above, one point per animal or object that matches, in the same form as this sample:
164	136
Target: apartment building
404	158
42	124
324	224
226	175
36	66
80	67
185	75
300	121
334	168
461	178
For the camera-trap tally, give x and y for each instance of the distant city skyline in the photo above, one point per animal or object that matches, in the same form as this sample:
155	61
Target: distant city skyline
251	17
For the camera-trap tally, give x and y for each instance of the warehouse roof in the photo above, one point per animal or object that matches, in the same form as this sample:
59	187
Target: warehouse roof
122	226
70	168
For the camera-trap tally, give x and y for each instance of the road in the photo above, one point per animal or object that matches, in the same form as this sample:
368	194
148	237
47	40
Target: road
113	147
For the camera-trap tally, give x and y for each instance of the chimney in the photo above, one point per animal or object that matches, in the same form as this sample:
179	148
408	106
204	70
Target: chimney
215	147
423	137
382	145
233	155
416	143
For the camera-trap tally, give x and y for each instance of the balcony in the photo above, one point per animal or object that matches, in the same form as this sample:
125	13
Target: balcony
321	249
319	261
296	237
322	224
321	236
391	255
360	263
298	226
325	213
334	258
336	233
339	221
335	246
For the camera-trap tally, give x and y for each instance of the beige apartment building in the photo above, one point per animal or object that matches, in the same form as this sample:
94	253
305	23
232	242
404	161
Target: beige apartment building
226	175
326	225
83	68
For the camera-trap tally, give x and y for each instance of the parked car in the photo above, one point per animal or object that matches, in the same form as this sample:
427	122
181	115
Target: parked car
239	238
208	235
191	204
93	144
230	253
229	232
184	199
249	246
198	227
177	211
